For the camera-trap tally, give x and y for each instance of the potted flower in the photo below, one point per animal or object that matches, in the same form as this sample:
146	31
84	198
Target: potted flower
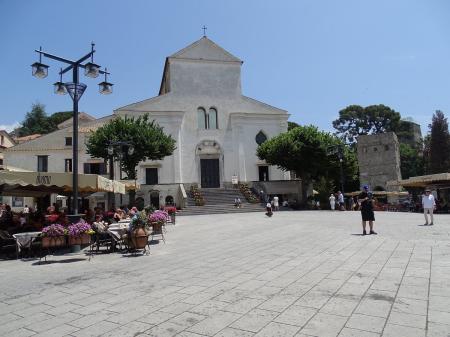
172	211
79	233
139	230
197	196
53	236
157	219
248	194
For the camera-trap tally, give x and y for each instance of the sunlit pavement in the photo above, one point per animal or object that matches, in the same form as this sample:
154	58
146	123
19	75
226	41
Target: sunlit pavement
298	274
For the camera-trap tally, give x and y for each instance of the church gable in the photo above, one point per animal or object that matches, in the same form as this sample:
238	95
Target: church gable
252	105
205	49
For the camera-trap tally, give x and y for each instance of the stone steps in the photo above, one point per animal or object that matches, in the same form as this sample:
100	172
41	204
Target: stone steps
216	209
219	201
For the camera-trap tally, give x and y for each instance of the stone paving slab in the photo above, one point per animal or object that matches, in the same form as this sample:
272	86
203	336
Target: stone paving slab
302	274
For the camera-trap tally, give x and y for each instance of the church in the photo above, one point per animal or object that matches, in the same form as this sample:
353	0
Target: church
200	104
216	127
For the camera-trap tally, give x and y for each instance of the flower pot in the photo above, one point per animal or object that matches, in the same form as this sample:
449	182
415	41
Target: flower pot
139	238
53	241
84	239
172	217
156	227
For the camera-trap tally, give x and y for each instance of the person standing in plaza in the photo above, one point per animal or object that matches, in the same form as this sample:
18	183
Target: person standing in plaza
366	204
341	201
276	203
332	199
428	204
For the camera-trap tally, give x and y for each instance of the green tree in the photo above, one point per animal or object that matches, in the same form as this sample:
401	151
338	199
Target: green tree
411	161
292	125
148	138
356	120
439	144
324	187
304	150
36	121
58	117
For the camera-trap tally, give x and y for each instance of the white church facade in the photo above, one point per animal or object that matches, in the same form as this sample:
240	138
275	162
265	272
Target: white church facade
200	104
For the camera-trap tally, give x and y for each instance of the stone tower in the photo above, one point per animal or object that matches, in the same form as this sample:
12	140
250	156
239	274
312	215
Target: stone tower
378	159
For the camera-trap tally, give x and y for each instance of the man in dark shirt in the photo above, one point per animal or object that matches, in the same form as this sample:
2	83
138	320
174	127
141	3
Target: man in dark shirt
365	201
6	220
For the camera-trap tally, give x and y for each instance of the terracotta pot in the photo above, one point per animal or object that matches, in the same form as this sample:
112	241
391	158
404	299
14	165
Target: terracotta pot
84	239
139	238
157	227
53	241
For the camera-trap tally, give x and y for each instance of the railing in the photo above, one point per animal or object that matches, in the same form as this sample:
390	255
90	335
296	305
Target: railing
183	199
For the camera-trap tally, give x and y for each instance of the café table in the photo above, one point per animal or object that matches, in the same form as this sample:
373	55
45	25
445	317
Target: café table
24	240
118	229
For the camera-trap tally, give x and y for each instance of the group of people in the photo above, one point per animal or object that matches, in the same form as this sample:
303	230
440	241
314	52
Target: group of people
272	205
366	202
337	200
26	220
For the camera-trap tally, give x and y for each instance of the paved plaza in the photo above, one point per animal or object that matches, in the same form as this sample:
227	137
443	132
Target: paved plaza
298	274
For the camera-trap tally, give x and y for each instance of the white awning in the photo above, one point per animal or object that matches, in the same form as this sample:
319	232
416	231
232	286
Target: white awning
13	182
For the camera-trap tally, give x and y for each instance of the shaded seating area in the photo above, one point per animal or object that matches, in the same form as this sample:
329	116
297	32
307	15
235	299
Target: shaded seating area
26	235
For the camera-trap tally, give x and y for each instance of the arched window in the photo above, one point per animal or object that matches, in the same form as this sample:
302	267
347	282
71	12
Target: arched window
201	117
207	120
260	138
212	119
169	200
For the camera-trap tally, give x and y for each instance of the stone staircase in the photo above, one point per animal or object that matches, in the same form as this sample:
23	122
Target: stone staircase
219	201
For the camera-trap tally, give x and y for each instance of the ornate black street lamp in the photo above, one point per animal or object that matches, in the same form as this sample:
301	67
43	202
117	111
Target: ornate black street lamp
119	149
75	90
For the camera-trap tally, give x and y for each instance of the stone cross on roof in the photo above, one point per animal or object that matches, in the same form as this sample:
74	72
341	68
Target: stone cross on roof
204	30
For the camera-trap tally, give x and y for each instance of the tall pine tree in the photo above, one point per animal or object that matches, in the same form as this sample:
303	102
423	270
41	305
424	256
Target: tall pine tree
439	144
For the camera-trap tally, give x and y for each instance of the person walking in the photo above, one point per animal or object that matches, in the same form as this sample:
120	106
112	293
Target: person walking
276	203
366	201
269	209
332	199
428	204
341	201
351	204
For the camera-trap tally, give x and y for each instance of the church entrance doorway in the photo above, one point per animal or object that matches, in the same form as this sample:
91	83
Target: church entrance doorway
263	173
210	177
154	199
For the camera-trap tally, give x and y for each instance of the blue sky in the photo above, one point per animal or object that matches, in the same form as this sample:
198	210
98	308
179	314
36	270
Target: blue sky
311	58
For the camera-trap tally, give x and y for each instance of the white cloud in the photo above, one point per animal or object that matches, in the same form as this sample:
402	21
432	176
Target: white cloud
9	127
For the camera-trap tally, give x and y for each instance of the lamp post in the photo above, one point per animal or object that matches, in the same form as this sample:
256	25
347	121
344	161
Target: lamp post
75	90
119	149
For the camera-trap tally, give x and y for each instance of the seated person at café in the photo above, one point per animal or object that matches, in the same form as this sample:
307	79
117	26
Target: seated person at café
52	216
119	215
6	219
89	216
100	227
